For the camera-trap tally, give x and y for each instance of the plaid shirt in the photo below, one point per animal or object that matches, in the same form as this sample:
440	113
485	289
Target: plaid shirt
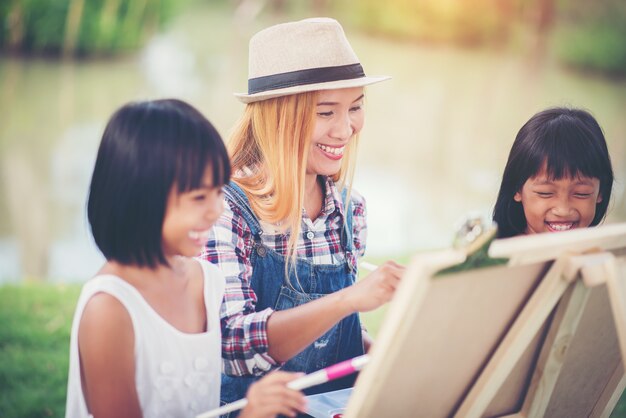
244	330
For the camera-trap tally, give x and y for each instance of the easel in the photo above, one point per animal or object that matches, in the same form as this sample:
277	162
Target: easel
544	335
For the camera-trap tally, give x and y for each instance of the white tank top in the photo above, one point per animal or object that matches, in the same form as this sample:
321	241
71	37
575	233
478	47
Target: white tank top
176	374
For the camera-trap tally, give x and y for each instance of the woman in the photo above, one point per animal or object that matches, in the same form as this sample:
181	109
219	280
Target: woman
292	230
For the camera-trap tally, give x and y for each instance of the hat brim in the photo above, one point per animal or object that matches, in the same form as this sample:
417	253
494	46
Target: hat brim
329	85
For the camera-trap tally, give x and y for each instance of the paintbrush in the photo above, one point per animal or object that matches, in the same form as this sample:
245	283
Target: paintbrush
333	372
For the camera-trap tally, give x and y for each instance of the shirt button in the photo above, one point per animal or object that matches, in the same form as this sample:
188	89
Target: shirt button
310	235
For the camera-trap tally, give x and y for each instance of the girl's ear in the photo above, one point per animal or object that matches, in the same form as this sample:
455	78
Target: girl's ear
599	199
517	197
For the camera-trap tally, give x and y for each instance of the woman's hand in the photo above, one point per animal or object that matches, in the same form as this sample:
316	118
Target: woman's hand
292	330
270	396
375	289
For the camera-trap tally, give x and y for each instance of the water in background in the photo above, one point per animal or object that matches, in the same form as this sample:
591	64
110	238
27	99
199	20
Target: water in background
435	142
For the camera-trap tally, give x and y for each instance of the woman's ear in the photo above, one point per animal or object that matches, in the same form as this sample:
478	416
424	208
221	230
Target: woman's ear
517	197
599	199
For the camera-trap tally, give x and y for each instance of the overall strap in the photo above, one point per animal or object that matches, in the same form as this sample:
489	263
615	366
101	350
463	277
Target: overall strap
347	224
238	196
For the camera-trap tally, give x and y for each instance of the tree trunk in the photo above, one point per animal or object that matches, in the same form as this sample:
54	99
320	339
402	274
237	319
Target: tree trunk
72	27
15	20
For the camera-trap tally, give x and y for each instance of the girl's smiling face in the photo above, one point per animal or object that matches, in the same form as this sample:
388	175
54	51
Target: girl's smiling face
552	205
339	116
189	217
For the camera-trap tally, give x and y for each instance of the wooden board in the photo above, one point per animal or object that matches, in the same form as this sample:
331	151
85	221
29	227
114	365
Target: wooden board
434	360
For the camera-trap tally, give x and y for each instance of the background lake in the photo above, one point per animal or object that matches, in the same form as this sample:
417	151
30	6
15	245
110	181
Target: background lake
433	149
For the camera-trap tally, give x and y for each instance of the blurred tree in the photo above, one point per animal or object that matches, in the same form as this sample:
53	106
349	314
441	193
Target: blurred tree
72	26
592	35
79	27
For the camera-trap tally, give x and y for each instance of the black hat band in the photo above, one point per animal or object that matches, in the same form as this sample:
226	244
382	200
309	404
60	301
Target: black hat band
304	77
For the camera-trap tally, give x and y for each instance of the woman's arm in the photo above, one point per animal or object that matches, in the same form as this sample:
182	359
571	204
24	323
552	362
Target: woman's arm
253	342
107	360
292	330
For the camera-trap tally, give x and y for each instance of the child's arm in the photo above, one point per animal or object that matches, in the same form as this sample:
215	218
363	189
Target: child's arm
107	361
270	396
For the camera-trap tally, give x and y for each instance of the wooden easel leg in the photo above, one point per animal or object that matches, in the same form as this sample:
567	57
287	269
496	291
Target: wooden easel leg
616	286
615	270
562	330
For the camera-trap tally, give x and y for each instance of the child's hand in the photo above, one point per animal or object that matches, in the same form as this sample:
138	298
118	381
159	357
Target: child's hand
270	396
375	289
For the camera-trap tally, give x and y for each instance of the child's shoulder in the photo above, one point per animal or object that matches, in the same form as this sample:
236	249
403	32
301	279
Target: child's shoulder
104	283
206	274
102	308
104	292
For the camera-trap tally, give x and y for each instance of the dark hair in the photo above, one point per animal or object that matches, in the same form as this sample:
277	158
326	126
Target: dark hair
146	149
571	143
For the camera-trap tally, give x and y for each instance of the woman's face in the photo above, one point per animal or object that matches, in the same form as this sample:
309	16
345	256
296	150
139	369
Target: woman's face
339	116
558	205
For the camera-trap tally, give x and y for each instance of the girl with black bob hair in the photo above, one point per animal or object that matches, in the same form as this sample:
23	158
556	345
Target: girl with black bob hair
146	149
558	175
146	332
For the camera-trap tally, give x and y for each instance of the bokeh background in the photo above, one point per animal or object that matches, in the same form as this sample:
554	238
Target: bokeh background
466	75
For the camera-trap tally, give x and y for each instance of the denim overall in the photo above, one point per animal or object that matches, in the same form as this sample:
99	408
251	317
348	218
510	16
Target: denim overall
342	342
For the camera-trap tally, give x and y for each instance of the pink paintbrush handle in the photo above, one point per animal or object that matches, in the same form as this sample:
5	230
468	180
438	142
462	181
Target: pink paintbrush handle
316	378
346	367
330	373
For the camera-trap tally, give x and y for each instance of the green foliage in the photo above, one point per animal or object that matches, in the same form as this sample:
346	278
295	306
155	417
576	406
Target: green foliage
101	26
34	344
590	35
597	47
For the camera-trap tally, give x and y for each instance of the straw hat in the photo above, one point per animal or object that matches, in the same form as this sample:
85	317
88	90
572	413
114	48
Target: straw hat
308	55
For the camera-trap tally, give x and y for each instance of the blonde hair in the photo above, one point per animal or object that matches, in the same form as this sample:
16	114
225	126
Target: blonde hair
269	149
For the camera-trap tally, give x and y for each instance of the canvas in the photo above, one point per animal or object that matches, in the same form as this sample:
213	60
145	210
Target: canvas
541	333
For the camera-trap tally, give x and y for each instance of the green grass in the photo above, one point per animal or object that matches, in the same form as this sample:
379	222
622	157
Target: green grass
35	322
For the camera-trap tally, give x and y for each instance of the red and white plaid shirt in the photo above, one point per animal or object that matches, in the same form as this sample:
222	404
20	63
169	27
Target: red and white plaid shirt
244	330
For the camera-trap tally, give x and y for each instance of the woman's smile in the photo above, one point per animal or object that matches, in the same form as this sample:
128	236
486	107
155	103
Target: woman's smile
334	153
